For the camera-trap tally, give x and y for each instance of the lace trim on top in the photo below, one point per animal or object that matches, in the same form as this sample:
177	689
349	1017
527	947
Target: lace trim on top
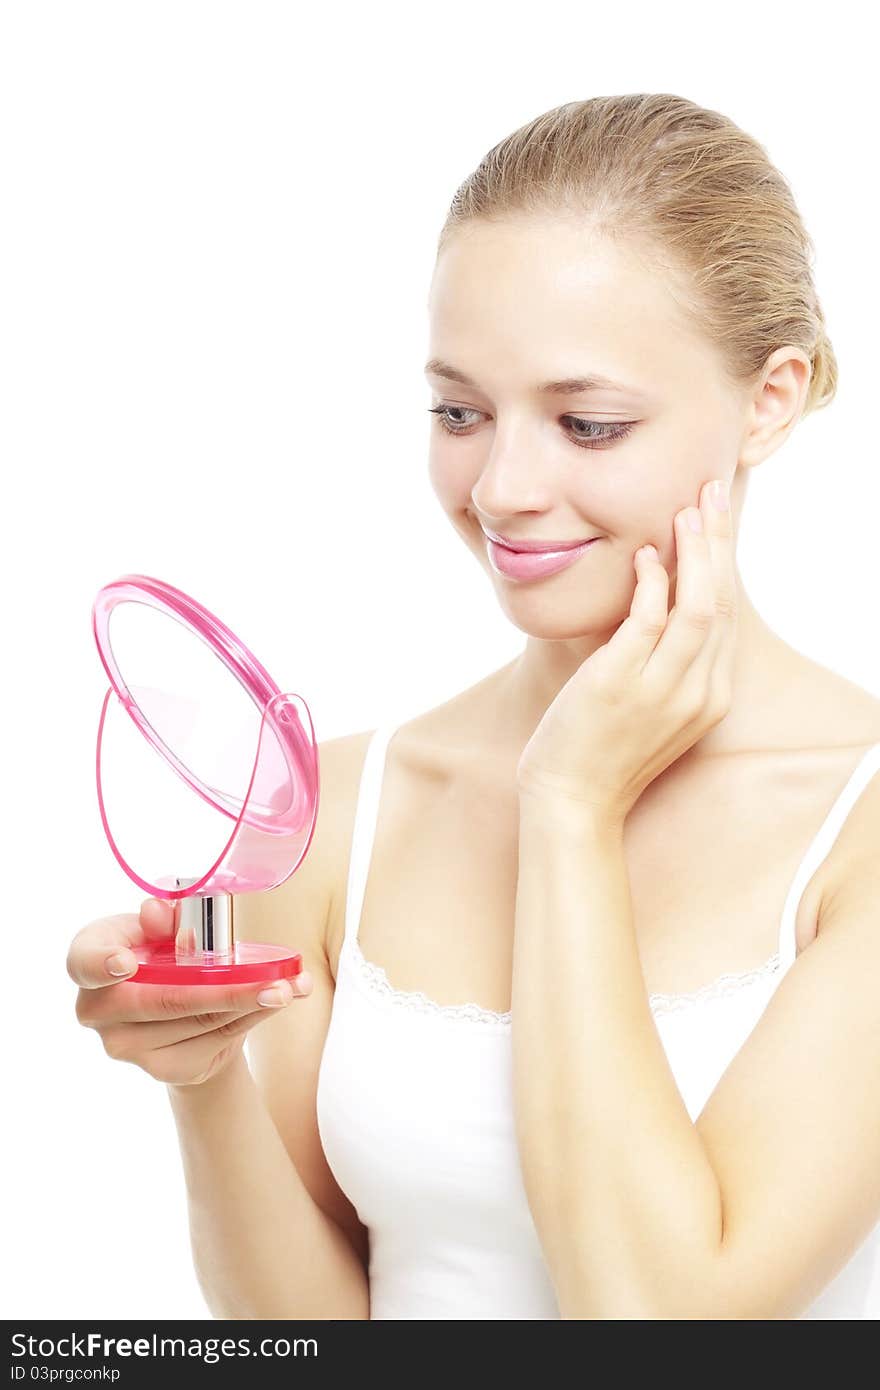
716	989
375	978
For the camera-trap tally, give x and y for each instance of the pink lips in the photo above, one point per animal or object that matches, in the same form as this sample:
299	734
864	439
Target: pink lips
536	564
511	544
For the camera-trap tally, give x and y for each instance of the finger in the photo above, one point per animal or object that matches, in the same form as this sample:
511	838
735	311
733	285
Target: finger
133	1003
197	1056
98	942
692	616
101	954
159	918
718	523
282	992
629	647
136	1039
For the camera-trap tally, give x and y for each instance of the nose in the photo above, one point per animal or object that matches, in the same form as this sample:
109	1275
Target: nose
512	480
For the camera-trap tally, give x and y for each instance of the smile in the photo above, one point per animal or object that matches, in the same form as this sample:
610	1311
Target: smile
536	564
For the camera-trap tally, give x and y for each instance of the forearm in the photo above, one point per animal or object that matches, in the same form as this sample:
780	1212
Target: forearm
262	1248
626	1202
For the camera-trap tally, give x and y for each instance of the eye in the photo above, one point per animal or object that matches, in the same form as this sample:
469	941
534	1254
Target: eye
586	434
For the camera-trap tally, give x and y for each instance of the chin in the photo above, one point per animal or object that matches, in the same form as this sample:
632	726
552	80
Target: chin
560	622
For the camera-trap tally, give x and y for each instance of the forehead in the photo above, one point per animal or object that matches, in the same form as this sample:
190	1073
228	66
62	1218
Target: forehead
531	299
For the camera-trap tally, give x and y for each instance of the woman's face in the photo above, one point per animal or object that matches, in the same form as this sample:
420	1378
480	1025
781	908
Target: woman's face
513	306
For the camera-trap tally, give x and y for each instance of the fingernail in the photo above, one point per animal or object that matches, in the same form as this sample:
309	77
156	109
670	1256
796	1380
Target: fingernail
720	494
694	518
274	997
120	963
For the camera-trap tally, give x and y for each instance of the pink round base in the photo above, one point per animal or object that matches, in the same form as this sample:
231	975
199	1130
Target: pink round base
249	962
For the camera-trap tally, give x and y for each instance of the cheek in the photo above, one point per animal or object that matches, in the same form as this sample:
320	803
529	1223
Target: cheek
451	480
639	503
629	505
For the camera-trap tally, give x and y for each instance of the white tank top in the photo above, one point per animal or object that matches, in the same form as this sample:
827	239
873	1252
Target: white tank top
415	1112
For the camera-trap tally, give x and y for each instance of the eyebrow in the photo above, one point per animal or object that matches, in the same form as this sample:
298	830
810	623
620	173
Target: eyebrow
567	386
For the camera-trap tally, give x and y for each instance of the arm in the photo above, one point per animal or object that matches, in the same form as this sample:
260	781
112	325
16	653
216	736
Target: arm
262	1247
626	1202
642	1212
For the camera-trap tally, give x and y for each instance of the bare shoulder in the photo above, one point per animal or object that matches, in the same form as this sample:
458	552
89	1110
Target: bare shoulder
314	895
852	866
340	761
852	869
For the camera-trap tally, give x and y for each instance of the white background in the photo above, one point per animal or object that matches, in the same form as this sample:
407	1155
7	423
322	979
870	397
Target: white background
218	226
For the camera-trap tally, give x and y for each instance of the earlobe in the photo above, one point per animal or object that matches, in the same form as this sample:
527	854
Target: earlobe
746	459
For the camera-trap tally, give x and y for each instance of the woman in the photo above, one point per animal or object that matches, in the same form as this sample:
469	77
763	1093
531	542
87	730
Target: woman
651	838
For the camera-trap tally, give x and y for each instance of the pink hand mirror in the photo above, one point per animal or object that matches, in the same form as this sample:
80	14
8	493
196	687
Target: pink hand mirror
231	799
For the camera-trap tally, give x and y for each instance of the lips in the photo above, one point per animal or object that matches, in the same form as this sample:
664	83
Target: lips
532	547
530	565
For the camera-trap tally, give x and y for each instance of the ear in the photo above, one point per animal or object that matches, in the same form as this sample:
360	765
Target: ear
776	405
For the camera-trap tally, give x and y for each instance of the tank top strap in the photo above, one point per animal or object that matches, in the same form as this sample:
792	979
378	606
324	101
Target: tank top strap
821	845
364	830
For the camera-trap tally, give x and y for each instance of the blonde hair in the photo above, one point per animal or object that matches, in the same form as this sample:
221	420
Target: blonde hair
698	194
